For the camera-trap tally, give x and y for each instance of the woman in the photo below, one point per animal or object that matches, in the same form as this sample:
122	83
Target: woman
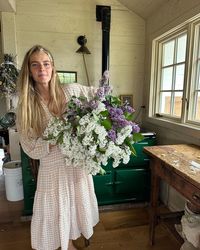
65	204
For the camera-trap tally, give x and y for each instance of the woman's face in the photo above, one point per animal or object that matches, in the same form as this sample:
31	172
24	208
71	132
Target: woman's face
40	68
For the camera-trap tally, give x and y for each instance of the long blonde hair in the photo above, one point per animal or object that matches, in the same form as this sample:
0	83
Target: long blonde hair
30	114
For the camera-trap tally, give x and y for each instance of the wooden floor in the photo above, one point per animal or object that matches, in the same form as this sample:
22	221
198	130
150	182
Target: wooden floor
123	229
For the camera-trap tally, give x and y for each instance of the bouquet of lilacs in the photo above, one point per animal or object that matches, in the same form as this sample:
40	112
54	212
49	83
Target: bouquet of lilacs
93	131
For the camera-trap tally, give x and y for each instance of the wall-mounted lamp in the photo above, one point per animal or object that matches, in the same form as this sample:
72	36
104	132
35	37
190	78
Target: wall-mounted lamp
81	40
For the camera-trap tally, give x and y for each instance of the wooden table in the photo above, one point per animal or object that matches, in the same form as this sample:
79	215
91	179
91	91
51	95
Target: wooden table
172	163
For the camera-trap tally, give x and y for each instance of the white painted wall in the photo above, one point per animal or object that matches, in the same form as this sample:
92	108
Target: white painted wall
8	5
169	15
57	24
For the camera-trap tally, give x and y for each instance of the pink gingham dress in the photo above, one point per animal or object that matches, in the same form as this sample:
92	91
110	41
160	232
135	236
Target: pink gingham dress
65	204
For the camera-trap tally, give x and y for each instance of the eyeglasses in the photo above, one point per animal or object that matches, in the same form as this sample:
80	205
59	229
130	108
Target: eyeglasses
38	65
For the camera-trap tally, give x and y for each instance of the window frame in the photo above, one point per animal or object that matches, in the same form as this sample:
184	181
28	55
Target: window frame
60	72
189	74
191	88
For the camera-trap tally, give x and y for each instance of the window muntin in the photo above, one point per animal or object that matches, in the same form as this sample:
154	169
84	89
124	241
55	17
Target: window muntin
172	72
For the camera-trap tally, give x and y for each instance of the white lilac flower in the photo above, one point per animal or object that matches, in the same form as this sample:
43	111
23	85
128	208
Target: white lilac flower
91	126
123	134
102	143
84	120
100	130
103	159
101	107
87	140
92	150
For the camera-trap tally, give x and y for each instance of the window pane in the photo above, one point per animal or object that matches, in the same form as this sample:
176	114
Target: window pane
166	79
67	76
165	102
198	75
179	79
168	53
181	49
177	104
197	115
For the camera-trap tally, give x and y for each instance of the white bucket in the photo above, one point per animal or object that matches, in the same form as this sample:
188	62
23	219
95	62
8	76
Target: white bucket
13	181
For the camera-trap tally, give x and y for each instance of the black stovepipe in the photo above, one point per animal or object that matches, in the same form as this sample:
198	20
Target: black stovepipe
103	14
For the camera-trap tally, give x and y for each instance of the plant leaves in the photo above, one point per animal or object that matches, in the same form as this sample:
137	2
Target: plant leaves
129	116
138	137
128	143
107	124
104	113
60	138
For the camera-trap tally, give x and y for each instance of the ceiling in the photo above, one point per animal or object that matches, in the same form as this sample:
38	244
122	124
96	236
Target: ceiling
7	5
143	8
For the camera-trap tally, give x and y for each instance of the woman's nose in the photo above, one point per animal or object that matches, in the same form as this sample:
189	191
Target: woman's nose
41	66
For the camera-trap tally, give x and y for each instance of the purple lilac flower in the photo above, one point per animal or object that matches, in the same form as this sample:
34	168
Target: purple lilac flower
100	93
115	111
127	108
135	127
114	126
116	115
107	104
112	135
93	104
107	89
122	122
104	80
77	102
111	110
119	111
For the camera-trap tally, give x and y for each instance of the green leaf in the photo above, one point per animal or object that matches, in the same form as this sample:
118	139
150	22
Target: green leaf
104	113
107	124
138	137
115	101
129	116
128	143
102	171
60	138
101	150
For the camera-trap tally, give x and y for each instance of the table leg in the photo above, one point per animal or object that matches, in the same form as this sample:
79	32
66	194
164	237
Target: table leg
155	184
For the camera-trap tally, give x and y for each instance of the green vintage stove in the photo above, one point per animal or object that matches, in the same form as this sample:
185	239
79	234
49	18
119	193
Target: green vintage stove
130	182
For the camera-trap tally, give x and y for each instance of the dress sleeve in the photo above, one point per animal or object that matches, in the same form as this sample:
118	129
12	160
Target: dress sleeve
77	90
35	148
86	91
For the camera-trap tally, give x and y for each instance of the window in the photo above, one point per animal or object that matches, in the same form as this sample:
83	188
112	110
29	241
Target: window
194	110
67	76
176	79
